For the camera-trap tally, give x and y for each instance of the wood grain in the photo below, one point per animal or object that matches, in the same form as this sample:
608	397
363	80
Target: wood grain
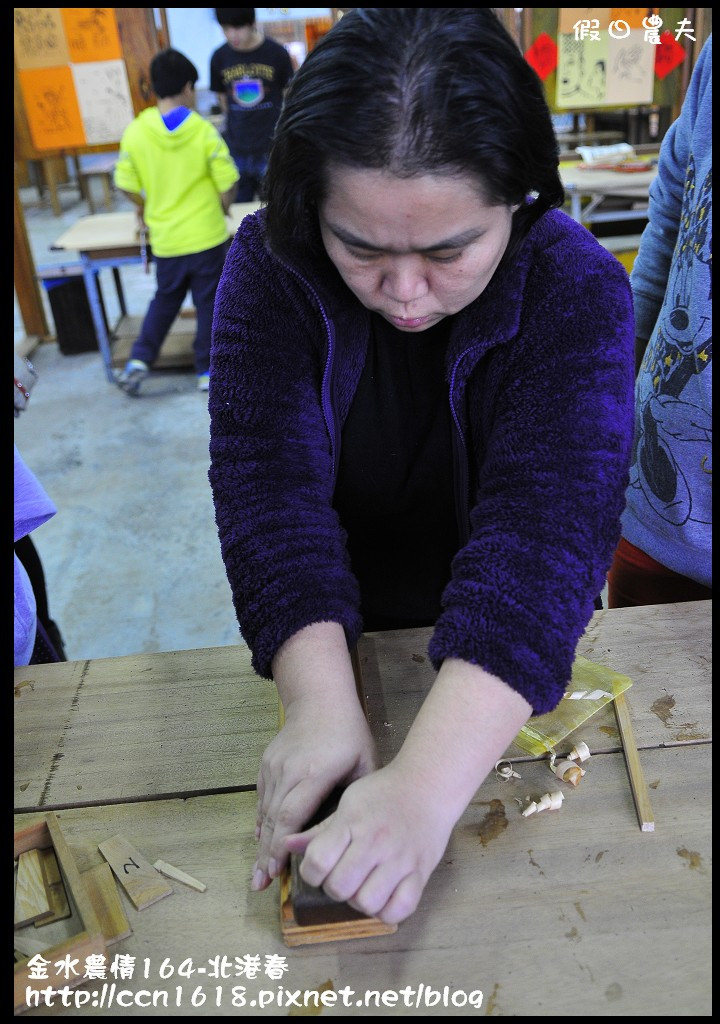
640	792
180	876
569	909
54	888
31	899
103	892
199	721
142	883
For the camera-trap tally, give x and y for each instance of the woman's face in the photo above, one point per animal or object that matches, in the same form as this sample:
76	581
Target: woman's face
414	250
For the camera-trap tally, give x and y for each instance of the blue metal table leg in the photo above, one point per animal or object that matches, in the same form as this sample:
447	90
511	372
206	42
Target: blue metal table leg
93	295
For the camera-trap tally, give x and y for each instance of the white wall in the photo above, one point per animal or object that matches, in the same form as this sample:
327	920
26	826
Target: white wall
195	32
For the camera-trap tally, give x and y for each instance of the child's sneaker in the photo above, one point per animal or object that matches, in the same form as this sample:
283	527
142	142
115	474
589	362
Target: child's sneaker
203	381
132	376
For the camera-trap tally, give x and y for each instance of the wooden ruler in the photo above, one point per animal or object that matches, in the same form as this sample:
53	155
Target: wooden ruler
640	793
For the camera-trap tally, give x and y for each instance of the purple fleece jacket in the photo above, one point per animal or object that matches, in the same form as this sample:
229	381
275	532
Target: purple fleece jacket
540	374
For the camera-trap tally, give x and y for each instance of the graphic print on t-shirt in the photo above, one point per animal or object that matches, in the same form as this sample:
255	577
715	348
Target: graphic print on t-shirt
248	92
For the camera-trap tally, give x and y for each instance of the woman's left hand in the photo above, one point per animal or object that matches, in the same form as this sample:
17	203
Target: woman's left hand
379	848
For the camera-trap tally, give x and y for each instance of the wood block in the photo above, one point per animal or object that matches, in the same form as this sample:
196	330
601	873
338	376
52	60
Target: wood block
295	934
309	915
54	888
89	940
143	884
104	896
31	899
34	837
180	876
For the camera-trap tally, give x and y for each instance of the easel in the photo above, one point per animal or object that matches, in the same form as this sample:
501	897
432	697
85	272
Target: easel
141	40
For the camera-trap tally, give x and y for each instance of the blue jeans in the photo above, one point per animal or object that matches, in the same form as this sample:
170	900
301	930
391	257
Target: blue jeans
252	171
199	273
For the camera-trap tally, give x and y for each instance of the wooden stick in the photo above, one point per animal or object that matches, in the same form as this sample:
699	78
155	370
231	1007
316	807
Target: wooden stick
180	876
638	785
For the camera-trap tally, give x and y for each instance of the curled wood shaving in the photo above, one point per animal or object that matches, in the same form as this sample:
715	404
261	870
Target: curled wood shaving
587	695
547	802
568	771
580	753
504	770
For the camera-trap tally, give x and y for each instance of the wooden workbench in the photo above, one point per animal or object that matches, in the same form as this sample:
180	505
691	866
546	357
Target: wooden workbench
568	912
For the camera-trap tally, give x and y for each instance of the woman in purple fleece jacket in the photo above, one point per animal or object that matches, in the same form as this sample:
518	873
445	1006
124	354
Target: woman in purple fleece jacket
421	409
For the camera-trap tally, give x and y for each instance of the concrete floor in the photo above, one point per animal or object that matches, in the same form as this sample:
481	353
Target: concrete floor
132	558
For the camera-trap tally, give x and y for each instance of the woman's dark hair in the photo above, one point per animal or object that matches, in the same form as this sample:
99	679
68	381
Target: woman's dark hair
170	71
414	91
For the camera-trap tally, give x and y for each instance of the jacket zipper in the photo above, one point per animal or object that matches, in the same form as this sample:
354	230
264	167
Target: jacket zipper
326	395
460	464
460	455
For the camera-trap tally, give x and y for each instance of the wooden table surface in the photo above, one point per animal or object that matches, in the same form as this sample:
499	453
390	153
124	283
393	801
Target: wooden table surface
618	183
184	722
568	912
115	231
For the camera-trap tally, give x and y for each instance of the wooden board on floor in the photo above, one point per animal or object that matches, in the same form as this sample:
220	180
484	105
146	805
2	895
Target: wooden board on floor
177	350
32	902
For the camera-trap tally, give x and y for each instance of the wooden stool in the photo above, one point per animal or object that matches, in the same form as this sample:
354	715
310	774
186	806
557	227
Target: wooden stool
101	167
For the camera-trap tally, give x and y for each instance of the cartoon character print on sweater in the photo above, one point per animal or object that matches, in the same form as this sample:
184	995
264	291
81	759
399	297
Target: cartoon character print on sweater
673	432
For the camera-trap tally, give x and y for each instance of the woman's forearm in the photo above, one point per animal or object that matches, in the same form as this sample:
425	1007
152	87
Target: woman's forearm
466	723
315	663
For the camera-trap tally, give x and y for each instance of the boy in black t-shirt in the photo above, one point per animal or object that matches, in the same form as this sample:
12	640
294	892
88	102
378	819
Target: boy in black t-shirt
249	73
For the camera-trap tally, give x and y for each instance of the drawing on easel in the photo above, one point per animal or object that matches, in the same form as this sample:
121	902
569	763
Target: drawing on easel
605	57
39	38
582	72
92	33
71	75
631	70
52	109
103	93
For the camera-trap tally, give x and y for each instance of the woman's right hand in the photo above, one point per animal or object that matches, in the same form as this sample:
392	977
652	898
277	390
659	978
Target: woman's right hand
324	742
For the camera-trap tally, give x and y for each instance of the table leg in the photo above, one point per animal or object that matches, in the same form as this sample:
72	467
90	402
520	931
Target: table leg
107	192
576	206
93	294
119	290
51	181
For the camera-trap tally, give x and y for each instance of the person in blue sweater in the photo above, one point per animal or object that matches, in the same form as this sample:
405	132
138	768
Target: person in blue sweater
421	412
664	554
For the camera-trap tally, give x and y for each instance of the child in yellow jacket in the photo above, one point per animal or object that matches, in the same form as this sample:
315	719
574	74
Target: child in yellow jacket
176	168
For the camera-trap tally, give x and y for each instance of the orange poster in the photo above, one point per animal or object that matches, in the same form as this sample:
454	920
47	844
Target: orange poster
92	33
52	108
569	16
632	16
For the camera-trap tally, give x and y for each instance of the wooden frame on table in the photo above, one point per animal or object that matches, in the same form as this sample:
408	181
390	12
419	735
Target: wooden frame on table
88	941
